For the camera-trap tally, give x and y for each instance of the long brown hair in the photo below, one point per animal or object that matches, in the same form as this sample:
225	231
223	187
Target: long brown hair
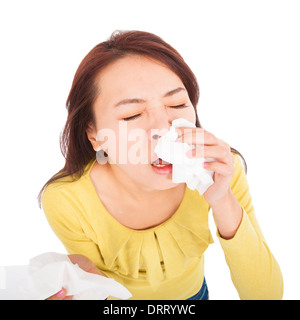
74	144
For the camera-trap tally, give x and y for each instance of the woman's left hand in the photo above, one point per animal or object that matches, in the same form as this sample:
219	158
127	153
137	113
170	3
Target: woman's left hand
85	264
208	146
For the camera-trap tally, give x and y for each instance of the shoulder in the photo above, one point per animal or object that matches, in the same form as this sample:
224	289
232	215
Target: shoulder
239	185
57	201
65	190
239	169
62	197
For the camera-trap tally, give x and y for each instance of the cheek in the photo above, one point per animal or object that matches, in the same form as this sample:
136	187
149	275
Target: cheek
138	147
191	115
187	113
132	147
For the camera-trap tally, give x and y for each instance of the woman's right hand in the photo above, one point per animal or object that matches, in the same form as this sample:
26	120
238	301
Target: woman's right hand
85	264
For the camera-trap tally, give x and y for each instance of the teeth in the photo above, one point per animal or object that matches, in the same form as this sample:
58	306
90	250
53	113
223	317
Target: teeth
160	162
159	165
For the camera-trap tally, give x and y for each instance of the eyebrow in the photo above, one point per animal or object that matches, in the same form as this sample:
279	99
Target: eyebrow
136	100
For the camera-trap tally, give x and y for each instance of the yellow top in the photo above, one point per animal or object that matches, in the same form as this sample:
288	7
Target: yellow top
164	262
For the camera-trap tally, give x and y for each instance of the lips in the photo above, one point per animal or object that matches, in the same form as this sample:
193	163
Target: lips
159	162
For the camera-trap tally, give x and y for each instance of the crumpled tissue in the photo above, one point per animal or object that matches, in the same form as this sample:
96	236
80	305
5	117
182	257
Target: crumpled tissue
49	272
185	169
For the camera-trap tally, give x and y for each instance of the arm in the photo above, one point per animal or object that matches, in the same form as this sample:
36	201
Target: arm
254	270
62	215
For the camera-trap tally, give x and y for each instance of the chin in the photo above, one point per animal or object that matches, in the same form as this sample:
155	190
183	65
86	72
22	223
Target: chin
151	180
162	183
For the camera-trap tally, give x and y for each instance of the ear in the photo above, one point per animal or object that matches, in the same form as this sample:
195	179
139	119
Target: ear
91	135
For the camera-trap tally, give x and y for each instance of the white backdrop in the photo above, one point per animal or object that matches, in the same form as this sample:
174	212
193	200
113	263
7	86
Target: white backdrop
245	55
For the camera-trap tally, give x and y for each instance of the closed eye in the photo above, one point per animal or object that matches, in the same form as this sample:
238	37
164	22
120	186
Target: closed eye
138	115
133	117
179	106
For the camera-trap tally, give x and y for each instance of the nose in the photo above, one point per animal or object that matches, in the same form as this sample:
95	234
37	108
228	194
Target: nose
159	123
156	132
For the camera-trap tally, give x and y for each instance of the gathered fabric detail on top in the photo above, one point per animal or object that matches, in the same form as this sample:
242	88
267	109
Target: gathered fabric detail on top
158	253
161	254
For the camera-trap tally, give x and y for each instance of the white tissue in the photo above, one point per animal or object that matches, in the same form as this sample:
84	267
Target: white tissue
49	272
185	169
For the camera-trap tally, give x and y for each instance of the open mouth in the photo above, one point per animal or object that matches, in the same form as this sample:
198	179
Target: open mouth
159	163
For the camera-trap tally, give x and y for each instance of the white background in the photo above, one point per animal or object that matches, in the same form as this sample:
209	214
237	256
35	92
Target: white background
245	55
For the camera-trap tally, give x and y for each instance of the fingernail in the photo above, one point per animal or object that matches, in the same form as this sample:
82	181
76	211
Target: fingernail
60	293
205	164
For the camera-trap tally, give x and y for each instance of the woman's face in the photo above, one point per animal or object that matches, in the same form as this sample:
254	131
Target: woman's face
137	99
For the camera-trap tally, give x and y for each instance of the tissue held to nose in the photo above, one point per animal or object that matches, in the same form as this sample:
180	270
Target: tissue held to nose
183	168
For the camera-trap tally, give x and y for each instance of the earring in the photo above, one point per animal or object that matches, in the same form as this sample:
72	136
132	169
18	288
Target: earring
102	153
101	156
99	149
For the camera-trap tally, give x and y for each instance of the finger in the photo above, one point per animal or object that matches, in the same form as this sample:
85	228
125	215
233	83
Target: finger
229	156
60	295
220	168
224	144
196	136
218	152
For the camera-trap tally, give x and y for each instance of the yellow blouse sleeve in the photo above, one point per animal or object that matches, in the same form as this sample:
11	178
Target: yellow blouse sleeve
254	271
62	216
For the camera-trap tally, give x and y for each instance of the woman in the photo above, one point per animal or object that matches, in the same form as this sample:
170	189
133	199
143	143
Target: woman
126	219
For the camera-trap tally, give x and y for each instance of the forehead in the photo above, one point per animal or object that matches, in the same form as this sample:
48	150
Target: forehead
134	74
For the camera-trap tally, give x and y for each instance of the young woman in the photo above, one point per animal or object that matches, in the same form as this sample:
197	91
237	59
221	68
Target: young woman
126	219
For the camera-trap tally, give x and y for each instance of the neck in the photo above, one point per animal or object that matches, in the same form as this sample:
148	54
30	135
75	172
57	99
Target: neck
130	188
